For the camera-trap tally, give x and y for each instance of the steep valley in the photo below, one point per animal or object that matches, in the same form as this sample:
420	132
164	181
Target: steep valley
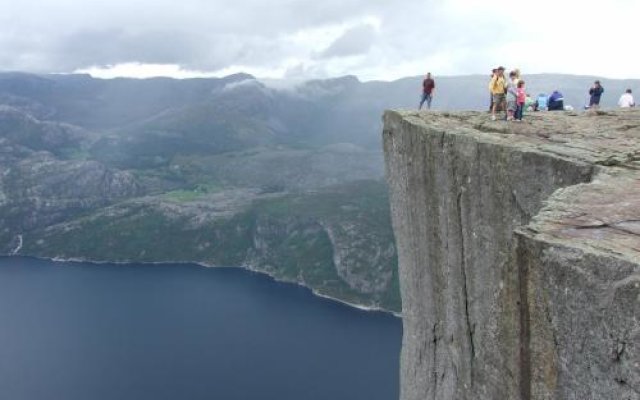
219	175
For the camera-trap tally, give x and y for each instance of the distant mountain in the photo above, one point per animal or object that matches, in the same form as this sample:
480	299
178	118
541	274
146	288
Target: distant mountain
228	171
103	104
314	112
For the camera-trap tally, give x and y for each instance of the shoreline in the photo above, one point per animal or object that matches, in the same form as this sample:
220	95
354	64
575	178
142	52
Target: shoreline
249	268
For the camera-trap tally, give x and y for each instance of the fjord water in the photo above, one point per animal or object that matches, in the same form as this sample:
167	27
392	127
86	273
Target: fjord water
83	331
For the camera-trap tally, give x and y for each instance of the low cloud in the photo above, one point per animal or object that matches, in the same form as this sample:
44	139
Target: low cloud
355	41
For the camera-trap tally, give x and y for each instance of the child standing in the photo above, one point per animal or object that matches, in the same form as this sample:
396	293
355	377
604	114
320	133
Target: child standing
511	95
521	98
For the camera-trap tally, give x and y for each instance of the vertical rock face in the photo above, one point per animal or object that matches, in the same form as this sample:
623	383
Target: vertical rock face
483	307
581	258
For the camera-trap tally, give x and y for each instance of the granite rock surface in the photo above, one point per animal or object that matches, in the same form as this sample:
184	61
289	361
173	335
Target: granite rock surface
519	254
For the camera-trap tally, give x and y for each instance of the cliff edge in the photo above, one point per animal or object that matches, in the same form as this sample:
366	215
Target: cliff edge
519	254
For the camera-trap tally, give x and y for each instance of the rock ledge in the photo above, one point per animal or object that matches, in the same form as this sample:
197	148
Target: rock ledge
519	254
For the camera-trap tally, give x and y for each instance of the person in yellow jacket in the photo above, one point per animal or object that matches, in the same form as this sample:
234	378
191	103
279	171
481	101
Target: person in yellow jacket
497	87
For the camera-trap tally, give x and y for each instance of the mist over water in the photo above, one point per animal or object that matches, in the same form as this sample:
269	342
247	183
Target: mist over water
81	331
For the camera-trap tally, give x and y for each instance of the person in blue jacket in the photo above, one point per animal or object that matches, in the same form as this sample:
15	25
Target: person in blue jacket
595	93
556	101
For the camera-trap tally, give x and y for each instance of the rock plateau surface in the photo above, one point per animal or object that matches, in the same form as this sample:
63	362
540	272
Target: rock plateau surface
519	254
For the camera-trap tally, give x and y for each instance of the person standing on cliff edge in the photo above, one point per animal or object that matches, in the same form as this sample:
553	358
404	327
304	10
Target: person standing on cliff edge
498	89
428	89
595	93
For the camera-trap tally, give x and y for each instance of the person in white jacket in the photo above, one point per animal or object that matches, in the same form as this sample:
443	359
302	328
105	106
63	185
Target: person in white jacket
626	100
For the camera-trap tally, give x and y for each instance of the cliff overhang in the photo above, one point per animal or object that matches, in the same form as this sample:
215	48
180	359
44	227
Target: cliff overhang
519	254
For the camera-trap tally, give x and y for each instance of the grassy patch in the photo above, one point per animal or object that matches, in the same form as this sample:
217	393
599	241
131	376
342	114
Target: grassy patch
75	154
183	196
199	191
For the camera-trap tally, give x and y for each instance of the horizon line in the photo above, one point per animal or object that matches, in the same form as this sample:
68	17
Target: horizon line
284	79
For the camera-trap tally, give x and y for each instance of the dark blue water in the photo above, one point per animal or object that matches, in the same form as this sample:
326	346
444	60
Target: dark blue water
90	332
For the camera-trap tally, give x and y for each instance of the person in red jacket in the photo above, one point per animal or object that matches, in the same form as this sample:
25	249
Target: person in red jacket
428	88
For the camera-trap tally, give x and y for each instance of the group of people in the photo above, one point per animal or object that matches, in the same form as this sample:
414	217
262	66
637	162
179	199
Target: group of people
508	94
555	102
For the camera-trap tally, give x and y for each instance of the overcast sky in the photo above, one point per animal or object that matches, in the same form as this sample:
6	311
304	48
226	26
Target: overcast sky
373	39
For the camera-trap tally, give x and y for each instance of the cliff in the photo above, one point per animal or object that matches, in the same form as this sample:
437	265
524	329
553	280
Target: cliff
519	254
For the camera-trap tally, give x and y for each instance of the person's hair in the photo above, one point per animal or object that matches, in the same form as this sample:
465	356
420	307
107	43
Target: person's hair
597	82
512	73
521	84
628	90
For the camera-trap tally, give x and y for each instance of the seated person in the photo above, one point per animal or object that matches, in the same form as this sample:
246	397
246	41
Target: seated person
626	100
529	103
556	101
542	102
